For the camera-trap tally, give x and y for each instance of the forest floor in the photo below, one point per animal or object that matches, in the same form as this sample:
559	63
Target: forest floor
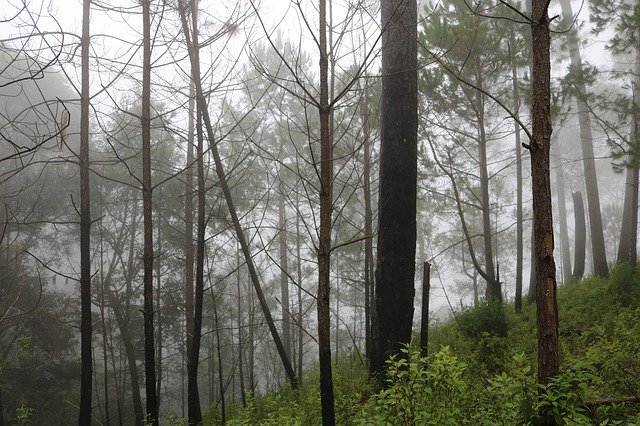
474	376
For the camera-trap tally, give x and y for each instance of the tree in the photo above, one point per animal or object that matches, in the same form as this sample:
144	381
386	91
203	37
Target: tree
201	103
85	229
581	235
324	238
591	182
147	220
393	310
546	303
624	44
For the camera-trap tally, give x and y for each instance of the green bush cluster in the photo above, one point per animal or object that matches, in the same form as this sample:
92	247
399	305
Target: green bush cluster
441	390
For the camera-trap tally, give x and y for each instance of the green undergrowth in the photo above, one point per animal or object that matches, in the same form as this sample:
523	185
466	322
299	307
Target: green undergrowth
482	370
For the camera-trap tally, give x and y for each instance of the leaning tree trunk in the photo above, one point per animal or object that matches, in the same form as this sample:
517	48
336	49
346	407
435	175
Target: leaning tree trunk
85	230
581	236
546	303
226	191
591	181
395	271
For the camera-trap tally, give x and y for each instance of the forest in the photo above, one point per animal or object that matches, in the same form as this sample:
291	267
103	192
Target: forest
356	212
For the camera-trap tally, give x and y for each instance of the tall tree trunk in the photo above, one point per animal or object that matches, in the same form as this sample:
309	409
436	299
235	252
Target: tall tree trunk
194	408
531	294
398	176
546	303
159	341
243	395
284	261
424	321
493	290
368	221
337	330
324	243
299	279
628	227
147	211
222	178
627	250
223	405
188	219
581	236
562	212
85	230
519	215
593	196
105	332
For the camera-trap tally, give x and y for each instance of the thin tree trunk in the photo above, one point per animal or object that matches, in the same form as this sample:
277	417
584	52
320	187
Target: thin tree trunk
159	342
195	410
368	221
104	333
188	218
223	407
252	364
85	230
299	278
493	291
562	212
395	272
581	236
546	303
147	211
337	330
593	196
220	173
243	394
424	320
324	243
519	215
284	262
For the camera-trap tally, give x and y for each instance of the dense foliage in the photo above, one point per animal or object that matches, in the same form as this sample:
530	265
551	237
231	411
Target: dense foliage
474	376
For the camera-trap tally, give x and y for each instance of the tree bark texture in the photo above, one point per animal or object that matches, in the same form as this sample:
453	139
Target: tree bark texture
188	220
600	266
86	369
193	394
147	210
546	303
324	243
580	237
398	175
